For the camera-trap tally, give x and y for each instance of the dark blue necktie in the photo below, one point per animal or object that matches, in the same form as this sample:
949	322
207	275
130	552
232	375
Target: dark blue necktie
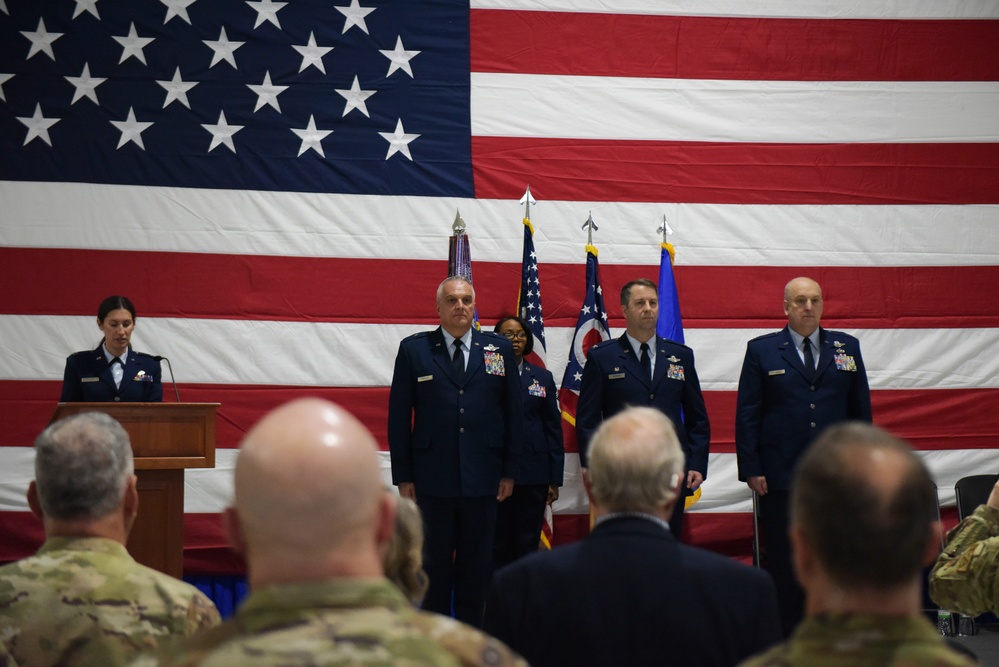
646	362
458	360
806	345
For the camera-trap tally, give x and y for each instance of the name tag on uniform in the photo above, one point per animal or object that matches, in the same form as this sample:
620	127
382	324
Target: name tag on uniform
616	376
779	371
494	363
90	379
425	378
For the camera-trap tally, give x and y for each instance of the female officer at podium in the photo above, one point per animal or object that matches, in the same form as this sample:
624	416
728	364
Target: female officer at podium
113	371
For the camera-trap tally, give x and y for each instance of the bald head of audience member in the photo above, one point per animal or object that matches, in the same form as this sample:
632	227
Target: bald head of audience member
310	503
85	484
636	464
864	522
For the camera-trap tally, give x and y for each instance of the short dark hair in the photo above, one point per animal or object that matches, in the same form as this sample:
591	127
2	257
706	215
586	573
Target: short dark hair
82	466
640	282
529	345
866	536
114	303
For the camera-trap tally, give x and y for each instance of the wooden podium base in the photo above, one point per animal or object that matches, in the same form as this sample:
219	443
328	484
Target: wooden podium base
159	527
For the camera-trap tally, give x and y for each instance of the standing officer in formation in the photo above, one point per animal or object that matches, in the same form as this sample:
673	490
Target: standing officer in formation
641	369
794	383
540	470
455	418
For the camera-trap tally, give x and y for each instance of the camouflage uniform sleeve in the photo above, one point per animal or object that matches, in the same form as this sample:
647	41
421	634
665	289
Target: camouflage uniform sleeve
472	647
966	575
190	651
201	614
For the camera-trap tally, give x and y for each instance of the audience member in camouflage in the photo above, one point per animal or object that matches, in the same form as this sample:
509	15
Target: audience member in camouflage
86	601
355	621
82	600
313	519
862	640
864	524
966	575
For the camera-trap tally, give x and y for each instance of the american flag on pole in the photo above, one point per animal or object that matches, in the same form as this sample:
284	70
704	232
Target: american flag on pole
271	184
529	298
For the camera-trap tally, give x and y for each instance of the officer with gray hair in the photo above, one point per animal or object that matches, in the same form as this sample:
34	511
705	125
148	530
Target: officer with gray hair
630	593
82	599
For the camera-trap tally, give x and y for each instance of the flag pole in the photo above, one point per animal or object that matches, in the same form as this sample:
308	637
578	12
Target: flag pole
458	249
667	231
459	261
670	324
529	306
590	226
527	200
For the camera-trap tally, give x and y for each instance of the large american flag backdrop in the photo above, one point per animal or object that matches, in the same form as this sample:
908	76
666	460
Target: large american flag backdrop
273	184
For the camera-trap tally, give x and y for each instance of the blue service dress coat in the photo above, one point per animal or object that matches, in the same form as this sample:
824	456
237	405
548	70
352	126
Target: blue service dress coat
779	411
542	459
630	594
519	519
613	380
88	379
454	436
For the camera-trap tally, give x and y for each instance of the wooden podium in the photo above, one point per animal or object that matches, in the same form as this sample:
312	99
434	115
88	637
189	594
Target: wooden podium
166	439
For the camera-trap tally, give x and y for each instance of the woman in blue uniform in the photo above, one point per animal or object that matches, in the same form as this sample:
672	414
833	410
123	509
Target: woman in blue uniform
540	464
113	371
